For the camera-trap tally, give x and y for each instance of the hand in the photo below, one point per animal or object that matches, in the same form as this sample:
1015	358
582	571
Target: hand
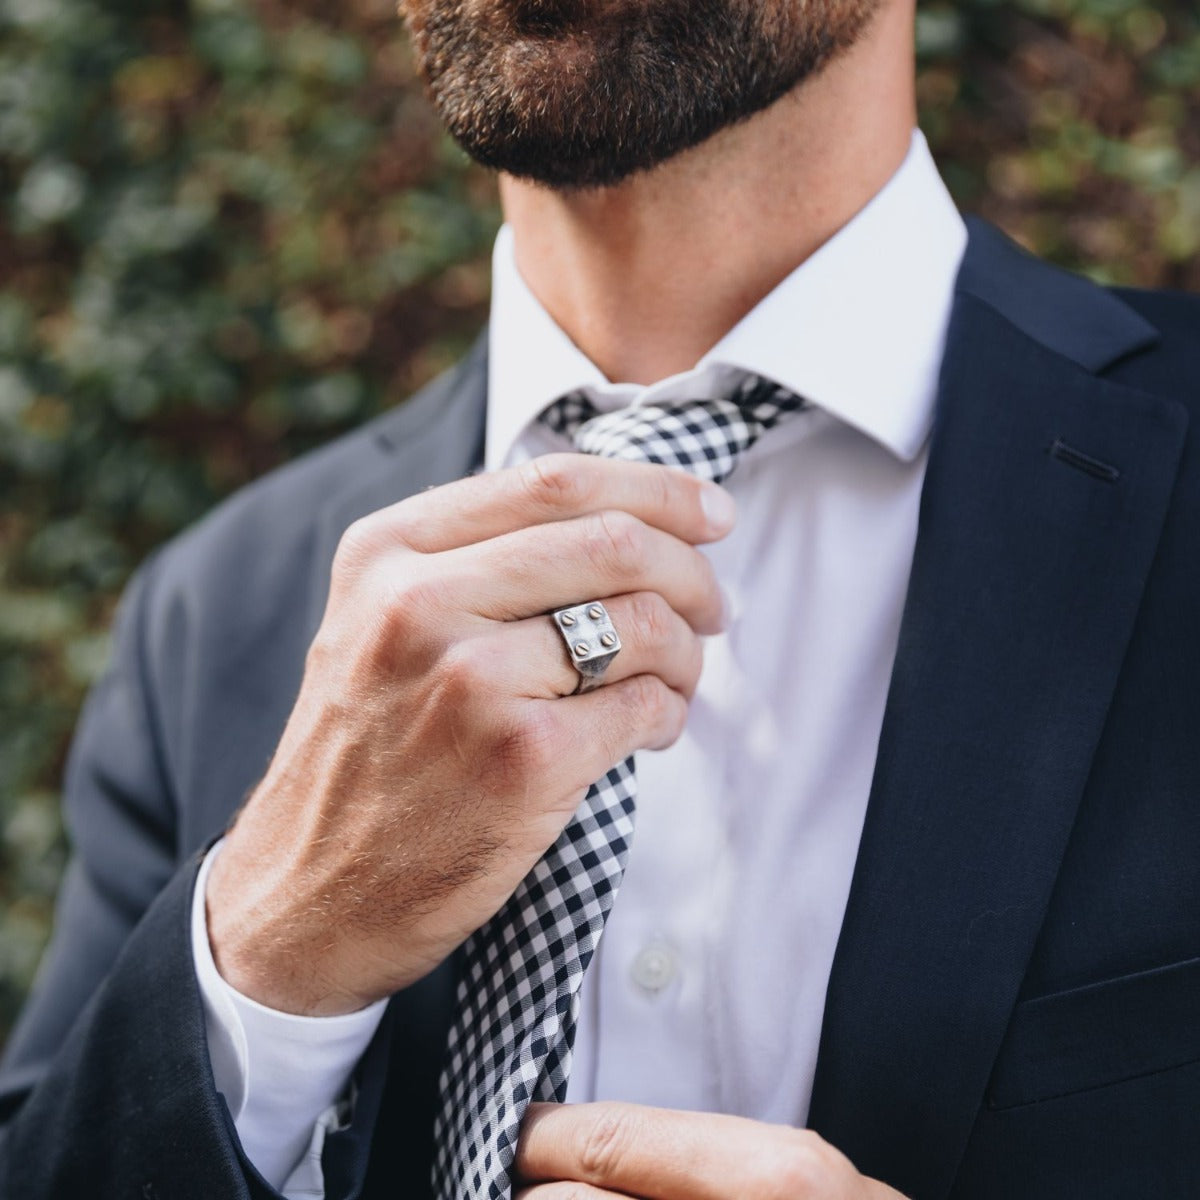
432	755
615	1151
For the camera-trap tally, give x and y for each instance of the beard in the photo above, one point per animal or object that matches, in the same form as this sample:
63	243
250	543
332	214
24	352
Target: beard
585	93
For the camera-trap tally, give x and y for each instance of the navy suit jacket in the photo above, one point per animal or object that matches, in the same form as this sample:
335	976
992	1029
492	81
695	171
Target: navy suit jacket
1014	1008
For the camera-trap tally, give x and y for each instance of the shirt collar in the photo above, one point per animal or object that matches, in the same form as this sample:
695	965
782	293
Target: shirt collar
858	329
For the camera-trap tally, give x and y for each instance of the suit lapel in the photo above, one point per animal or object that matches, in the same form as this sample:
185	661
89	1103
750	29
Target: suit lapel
1045	493
434	438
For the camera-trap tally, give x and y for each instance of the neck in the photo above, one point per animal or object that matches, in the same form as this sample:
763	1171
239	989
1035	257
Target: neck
647	276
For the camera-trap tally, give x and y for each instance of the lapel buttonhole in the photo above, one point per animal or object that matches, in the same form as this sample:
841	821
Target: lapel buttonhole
1103	471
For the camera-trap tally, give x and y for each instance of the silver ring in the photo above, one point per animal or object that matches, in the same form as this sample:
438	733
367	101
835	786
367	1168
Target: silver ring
592	642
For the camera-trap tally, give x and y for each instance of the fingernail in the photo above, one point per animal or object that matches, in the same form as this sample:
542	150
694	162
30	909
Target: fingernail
719	508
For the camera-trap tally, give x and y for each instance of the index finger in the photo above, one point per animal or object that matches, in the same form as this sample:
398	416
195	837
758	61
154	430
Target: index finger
558	487
662	1154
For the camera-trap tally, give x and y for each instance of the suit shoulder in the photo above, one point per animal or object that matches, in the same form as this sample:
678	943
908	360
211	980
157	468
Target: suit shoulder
1171	366
272	514
1171	312
271	534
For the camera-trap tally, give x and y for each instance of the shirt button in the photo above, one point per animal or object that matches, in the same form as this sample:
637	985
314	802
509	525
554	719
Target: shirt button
654	967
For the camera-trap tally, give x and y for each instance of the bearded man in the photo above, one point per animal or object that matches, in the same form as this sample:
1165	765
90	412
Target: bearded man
912	904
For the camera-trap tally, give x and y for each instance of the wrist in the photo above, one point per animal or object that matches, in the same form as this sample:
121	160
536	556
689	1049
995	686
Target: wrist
270	945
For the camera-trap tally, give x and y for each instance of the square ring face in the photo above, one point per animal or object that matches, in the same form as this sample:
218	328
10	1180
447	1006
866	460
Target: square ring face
592	641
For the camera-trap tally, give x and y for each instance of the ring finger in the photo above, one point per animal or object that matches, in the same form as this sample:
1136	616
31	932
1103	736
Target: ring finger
566	1191
655	640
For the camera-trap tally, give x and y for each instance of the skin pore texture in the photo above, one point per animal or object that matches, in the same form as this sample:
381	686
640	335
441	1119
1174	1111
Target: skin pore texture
646	273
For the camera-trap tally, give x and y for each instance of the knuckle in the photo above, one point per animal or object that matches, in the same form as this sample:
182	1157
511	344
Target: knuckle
651	618
357	545
651	698
802	1168
606	1142
666	486
528	747
554	480
410	604
619	542
368	541
408	623
322	655
463	669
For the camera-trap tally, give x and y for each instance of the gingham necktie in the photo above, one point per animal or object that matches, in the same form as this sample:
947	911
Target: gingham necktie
518	996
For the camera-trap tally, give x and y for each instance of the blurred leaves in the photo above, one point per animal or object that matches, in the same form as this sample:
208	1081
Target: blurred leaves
227	232
1074	125
232	228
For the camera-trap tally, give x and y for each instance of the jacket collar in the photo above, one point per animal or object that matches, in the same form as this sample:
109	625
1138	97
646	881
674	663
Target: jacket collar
857	329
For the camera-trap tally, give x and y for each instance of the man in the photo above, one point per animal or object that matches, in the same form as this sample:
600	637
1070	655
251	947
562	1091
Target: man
912	905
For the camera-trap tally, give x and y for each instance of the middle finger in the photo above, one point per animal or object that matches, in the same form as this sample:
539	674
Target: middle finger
533	571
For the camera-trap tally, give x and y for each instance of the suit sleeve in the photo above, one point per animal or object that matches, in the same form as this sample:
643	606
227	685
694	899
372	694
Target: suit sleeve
284	1078
106	1087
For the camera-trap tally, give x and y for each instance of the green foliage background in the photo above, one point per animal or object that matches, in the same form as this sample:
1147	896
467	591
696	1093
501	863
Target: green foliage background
232	228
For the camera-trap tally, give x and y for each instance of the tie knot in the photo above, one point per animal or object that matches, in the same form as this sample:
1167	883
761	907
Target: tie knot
704	436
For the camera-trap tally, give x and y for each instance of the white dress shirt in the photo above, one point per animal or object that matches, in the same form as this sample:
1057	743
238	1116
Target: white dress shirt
708	988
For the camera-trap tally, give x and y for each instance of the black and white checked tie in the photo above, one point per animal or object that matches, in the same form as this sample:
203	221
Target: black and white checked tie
518	997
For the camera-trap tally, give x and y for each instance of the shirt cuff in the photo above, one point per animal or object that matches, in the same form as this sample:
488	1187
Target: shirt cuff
280	1074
